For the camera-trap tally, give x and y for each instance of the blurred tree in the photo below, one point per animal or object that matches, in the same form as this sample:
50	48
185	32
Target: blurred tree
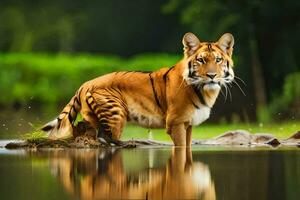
111	26
27	26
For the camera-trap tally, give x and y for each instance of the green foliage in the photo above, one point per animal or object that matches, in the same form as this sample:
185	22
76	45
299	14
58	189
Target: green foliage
48	80
35	136
289	100
285	104
292	87
207	19
264	115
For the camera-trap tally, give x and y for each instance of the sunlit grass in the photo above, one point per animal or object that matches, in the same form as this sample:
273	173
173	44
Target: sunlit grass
205	131
35	136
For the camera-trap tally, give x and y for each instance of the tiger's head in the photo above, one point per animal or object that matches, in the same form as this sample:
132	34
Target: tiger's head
209	65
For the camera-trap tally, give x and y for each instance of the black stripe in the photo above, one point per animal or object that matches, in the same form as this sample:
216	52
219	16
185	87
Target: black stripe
144	72
165	76
93	105
190	69
117	91
72	108
209	47
99	105
70	114
227	74
70	118
155	95
197	107
47	128
78	94
199	94
77	101
89	105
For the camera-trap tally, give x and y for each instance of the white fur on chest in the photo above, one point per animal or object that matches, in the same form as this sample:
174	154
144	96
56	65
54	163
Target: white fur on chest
200	115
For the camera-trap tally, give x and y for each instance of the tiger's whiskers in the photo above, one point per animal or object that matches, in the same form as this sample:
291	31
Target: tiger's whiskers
239	87
238	78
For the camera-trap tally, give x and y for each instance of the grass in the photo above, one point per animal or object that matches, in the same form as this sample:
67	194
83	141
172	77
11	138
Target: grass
205	131
31	77
34	136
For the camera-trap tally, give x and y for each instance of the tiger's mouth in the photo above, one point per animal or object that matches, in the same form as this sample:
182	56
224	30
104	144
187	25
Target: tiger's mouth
205	84
212	85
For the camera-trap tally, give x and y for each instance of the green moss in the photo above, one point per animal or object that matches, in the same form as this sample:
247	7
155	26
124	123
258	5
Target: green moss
286	103
35	136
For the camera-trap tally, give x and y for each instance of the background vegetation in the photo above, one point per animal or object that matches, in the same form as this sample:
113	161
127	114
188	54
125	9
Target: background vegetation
47	80
49	48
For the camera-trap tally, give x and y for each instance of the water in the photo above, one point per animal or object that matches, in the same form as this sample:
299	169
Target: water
151	173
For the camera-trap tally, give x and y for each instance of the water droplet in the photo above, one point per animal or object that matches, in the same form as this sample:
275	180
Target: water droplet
3	125
20	124
29	107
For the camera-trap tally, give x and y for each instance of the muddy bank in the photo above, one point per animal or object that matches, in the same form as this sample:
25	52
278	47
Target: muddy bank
231	138
81	142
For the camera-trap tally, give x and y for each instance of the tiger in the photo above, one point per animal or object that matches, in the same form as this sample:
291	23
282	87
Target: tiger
176	177
175	98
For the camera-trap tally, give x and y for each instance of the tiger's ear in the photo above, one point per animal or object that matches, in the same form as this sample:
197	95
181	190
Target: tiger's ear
226	43
191	43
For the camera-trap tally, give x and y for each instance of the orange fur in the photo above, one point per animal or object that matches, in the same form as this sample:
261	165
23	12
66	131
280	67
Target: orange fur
173	98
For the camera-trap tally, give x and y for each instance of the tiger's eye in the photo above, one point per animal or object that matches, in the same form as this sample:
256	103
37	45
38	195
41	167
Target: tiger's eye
200	60
218	59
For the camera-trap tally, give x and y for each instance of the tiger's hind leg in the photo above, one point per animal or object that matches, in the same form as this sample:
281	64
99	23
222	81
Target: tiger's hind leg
110	111
109	133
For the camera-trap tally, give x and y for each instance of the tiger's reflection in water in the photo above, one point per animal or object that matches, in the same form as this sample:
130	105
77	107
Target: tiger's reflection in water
113	174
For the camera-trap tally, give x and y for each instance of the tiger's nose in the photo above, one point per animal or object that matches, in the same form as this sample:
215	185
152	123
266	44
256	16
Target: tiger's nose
211	75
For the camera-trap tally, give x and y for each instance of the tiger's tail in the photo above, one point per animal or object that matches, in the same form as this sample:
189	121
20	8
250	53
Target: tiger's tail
62	126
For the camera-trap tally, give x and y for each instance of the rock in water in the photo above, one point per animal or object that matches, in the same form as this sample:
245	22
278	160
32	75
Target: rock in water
263	139
238	137
294	140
